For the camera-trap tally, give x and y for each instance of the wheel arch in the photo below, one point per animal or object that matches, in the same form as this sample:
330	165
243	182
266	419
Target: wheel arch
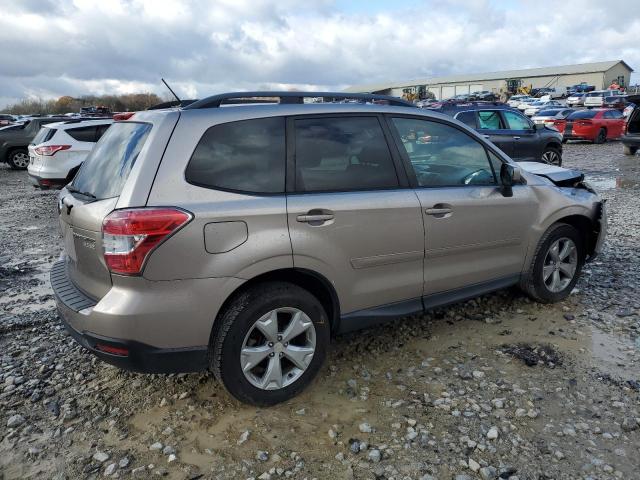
313	282
587	229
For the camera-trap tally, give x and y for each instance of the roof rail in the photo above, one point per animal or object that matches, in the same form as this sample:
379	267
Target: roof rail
291	98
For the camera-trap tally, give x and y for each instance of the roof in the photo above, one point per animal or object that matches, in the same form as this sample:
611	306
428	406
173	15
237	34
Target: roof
475	77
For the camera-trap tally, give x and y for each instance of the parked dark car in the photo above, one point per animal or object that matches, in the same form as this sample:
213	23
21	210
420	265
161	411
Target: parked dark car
6	119
581	88
484	95
511	131
618	102
15	139
631	137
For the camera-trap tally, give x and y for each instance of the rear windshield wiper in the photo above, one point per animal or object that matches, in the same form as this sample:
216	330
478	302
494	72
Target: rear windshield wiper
86	194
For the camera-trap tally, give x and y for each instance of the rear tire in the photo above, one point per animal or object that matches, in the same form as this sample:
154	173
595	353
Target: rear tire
18	159
545	267
629	150
602	136
256	368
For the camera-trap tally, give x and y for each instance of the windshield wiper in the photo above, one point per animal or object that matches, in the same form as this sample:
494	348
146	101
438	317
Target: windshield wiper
86	194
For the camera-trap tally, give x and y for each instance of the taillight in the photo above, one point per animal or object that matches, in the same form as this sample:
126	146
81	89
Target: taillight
49	150
129	235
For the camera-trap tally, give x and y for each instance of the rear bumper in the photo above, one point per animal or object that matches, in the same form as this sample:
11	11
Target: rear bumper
41	182
145	330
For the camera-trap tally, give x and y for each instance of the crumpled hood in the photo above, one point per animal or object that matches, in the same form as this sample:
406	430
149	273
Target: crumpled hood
563	177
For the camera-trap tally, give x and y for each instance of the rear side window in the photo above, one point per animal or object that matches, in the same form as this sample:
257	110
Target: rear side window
44	135
107	167
247	156
342	154
83	134
582	114
468	118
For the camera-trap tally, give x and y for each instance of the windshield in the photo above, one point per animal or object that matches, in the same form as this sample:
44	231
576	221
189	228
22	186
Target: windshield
107	167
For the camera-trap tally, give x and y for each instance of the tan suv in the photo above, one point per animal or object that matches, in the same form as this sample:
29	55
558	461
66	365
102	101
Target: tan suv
243	231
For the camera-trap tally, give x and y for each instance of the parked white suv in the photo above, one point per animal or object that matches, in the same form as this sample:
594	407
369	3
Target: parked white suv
596	99
58	150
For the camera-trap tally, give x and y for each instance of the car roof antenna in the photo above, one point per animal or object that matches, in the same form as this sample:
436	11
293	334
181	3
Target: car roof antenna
174	93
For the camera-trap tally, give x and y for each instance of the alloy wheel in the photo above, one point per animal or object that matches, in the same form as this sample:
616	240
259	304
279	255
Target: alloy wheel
551	157
560	264
278	348
20	159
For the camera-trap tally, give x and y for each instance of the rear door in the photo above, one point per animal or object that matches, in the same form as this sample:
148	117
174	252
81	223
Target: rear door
526	141
493	127
94	193
473	234
352	216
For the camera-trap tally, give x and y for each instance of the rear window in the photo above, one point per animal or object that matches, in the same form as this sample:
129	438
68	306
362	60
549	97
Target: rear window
44	135
595	94
247	156
107	167
83	134
582	114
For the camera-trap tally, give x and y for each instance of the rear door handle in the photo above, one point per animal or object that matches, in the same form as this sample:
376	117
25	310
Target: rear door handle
516	138
488	137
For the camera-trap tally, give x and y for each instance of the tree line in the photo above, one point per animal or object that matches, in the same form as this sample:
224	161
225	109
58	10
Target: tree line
129	102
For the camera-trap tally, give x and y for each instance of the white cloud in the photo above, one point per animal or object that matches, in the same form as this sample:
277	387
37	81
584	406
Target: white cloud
74	47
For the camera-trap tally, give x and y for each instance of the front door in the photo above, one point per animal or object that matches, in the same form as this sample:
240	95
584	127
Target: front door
474	235
352	216
526	146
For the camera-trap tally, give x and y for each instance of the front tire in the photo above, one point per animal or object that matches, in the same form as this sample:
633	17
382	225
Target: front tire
552	156
629	150
18	159
556	265
270	343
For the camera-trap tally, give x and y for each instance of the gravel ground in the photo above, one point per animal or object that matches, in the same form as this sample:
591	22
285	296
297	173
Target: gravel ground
497	387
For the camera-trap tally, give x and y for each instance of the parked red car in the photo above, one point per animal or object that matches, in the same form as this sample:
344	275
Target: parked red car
596	125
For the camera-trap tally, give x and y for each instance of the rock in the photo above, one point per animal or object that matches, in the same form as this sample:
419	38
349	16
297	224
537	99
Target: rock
488	473
365	427
155	446
262	456
629	424
101	457
478	374
374	455
124	462
493	433
354	445
463	477
473	465
244	436
168	450
15	421
110	470
172	458
265	476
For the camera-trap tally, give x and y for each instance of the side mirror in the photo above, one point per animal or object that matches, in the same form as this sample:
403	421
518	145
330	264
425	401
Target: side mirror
534	127
509	176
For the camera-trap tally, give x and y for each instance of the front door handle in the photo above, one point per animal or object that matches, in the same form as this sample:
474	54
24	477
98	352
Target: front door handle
314	218
488	137
516	138
440	210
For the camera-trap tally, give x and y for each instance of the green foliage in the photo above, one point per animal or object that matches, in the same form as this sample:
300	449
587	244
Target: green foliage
129	102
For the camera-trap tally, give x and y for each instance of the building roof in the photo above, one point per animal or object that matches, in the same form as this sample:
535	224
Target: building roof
476	77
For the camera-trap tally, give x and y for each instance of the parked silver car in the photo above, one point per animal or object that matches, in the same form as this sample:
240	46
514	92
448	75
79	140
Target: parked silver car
241	238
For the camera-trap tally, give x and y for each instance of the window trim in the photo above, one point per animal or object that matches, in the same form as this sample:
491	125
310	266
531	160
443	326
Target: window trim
233	190
404	181
413	179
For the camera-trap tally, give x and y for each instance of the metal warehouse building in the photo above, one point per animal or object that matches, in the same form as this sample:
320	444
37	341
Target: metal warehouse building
599	74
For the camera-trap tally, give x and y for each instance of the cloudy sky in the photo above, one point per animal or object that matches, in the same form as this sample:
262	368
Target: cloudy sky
50	48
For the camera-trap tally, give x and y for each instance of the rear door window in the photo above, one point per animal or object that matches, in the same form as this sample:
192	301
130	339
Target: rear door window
246	156
468	118
490	120
343	154
107	167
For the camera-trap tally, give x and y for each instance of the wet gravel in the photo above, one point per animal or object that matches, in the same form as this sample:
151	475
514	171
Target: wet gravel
497	387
